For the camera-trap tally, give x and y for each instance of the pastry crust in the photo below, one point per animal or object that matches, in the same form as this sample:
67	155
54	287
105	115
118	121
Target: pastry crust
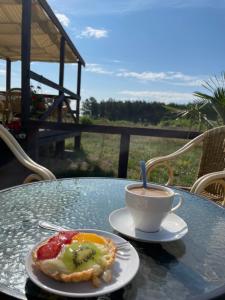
84	275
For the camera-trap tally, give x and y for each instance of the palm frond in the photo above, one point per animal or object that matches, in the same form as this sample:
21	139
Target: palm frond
203	96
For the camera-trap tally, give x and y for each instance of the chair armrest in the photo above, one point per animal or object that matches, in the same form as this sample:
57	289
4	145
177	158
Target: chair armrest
32	177
163	160
215	177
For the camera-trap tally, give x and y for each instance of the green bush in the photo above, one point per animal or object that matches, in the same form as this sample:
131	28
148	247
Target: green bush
184	124
85	120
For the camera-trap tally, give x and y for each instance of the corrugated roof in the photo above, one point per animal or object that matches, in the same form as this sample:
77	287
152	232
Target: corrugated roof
45	36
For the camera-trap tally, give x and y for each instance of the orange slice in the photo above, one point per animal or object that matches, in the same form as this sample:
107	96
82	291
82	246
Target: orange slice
89	237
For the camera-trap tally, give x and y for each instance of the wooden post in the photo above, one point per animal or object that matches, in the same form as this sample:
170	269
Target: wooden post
77	140
78	90
60	146
124	155
8	87
25	69
8	74
25	61
61	74
33	146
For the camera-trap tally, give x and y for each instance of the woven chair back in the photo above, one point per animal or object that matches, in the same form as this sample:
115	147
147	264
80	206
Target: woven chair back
213	155
14	100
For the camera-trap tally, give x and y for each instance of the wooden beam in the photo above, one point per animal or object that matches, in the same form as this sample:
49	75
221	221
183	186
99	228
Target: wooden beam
54	96
153	132
33	145
77	140
70	110
8	74
124	155
78	90
52	84
61	61
55	104
46	137
60	146
25	60
55	20
61	74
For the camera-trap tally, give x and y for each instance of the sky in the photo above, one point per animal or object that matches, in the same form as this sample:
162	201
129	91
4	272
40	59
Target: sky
152	50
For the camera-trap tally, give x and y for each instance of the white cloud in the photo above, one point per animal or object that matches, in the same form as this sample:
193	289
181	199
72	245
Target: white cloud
143	76
90	32
63	19
158	96
176	78
194	83
96	68
169	77
173	78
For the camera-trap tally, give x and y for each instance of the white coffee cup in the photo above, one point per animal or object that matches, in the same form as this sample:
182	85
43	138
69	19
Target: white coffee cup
149	207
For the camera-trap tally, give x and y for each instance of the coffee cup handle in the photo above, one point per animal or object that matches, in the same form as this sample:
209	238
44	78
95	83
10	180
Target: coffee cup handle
181	199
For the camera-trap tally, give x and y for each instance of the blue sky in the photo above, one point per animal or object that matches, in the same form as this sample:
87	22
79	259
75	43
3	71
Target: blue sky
153	50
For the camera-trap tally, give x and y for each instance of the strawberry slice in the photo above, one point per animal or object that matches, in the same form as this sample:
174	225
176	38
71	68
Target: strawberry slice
49	250
63	237
54	245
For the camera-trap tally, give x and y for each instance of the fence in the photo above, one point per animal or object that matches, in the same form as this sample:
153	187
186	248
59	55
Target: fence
125	133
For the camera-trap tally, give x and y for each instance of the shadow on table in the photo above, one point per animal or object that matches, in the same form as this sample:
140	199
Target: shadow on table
169	251
33	292
166	258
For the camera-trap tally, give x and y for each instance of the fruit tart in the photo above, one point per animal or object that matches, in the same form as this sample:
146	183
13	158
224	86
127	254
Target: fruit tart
71	256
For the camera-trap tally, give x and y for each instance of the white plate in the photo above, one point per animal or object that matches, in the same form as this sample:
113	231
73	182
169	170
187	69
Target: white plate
124	269
172	228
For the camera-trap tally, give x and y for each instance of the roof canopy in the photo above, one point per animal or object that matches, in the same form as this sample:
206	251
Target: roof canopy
45	33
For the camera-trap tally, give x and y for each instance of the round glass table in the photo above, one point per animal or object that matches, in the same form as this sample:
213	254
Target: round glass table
190	268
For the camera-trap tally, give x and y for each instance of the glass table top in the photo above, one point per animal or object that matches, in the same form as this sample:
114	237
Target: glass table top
191	267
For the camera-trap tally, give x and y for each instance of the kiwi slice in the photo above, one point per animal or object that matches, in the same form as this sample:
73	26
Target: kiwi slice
81	256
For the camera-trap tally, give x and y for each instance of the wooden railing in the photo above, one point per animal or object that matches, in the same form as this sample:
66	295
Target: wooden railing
67	129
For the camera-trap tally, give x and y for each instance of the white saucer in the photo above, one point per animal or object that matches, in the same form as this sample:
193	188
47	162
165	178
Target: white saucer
172	228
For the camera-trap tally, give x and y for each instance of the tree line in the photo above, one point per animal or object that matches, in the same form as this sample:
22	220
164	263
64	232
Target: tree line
135	111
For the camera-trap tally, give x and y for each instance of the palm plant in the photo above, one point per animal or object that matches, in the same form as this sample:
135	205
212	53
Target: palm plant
207	105
216	98
196	116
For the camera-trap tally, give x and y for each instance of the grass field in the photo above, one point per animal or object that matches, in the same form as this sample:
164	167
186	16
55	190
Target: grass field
100	152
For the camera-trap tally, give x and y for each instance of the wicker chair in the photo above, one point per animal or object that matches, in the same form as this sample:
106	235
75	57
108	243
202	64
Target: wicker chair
13	97
211	174
40	172
10	105
5	109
